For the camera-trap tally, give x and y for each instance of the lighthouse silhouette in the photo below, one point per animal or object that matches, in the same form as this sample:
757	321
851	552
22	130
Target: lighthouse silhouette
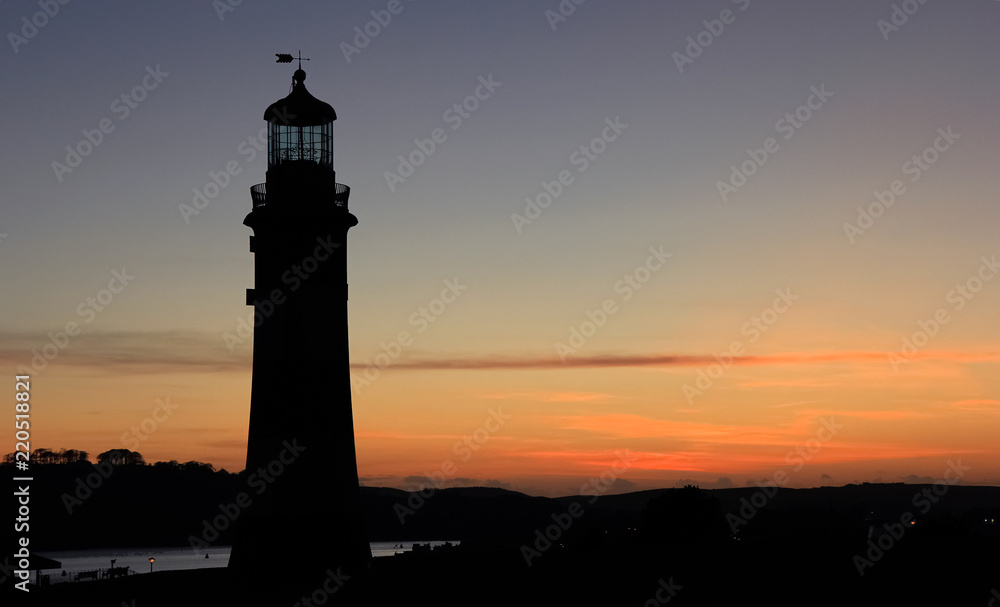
302	522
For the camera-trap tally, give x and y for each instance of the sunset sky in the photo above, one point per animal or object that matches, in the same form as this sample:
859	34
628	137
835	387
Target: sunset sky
700	294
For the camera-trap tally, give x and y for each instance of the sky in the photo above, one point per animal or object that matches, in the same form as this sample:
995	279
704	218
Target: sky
656	242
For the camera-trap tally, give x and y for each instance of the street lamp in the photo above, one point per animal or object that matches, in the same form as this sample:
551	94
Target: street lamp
151	561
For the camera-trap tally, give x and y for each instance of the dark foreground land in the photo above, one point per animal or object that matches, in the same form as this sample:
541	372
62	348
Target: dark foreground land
878	544
791	572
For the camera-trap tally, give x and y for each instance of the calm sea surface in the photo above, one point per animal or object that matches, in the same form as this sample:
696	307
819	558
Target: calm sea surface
168	559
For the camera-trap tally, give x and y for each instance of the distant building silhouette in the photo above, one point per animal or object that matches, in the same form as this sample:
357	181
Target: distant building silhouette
305	517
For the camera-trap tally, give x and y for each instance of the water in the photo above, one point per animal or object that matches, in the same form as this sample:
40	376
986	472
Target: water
169	559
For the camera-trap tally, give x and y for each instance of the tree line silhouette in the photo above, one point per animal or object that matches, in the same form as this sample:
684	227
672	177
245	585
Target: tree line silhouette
115	457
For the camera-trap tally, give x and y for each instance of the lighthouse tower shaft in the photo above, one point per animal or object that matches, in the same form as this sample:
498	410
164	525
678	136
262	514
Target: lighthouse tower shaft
305	515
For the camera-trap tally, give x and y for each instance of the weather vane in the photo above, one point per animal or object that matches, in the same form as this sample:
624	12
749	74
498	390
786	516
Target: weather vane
287	58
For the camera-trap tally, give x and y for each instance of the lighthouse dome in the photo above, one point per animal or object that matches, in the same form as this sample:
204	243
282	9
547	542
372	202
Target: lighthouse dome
300	108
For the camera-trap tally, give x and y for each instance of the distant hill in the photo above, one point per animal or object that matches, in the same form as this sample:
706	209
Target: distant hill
83	506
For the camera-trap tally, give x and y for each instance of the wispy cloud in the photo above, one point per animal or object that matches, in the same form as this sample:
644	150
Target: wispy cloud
203	351
880	415
790	383
673	360
400	436
796	403
976	404
122	351
553	397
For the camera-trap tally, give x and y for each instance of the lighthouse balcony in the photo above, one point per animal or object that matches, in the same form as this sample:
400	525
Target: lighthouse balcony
261	198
